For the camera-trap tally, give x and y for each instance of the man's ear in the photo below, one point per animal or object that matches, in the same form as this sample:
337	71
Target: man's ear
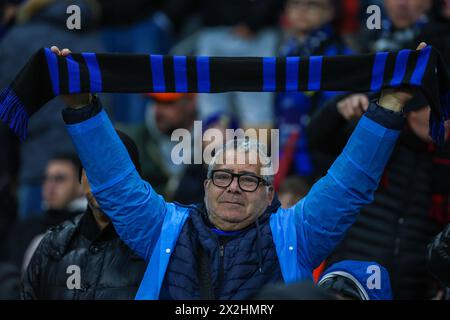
205	183
270	194
82	176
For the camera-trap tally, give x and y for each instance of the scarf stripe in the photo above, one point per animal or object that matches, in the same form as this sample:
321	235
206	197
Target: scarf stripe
169	73
292	65
419	70
63	76
83	72
95	75
203	76
269	74
74	75
280	78
315	73
159	82
180	70
52	63
410	67
378	71
400	67
389	69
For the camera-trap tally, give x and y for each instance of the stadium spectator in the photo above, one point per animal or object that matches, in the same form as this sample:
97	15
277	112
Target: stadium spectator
403	227
395	229
107	269
292	190
357	280
40	23
239	28
438	259
310	30
167	112
62	199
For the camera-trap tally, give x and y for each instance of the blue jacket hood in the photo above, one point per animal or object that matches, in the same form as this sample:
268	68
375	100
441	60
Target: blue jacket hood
371	278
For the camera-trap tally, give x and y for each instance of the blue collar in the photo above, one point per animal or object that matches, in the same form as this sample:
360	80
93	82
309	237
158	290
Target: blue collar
225	233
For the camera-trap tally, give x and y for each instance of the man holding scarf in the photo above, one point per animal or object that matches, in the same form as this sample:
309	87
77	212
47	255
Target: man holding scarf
239	239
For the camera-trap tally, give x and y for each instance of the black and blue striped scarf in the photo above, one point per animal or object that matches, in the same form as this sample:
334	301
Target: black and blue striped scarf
46	76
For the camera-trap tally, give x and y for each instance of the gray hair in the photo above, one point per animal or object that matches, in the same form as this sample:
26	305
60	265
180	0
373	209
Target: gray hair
245	145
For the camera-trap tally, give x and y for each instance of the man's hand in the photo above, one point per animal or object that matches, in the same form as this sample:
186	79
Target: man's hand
395	99
353	106
75	101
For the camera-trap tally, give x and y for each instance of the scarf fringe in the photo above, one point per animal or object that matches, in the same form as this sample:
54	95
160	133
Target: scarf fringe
437	131
437	126
12	113
445	105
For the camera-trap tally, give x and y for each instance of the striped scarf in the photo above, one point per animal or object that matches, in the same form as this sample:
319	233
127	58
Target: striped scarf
47	75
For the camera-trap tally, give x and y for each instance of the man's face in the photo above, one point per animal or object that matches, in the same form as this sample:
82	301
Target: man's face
405	13
231	208
305	16
61	185
170	116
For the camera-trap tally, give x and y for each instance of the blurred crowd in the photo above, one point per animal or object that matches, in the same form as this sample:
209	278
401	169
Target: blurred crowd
41	179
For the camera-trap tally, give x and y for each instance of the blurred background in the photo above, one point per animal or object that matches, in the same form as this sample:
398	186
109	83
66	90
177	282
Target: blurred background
39	179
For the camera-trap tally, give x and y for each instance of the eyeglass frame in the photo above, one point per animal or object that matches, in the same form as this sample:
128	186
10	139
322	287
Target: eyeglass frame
238	176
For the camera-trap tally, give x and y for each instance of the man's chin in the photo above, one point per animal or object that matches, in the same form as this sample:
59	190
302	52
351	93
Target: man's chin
232	216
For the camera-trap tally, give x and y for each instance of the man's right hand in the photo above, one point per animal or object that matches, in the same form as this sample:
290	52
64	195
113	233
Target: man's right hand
353	106
74	101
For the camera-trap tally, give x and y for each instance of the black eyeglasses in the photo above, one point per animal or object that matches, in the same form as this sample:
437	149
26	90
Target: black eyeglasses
246	181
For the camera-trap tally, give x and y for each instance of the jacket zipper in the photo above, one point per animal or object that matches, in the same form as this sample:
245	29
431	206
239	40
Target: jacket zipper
220	279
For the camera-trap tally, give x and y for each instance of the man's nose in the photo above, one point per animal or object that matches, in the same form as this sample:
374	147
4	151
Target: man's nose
234	186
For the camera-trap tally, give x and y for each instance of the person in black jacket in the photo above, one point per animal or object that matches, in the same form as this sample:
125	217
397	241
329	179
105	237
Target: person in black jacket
9	281
83	258
62	199
438	257
407	209
8	214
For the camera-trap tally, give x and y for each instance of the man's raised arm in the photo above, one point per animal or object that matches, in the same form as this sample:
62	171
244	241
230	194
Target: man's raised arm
135	209
333	203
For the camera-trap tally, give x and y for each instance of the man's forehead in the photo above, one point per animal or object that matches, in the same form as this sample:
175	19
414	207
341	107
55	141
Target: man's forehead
240	158
239	168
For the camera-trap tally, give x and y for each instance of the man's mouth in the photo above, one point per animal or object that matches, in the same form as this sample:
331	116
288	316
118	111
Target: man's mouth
233	203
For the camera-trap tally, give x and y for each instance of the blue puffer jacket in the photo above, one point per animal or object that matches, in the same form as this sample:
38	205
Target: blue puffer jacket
303	235
240	261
